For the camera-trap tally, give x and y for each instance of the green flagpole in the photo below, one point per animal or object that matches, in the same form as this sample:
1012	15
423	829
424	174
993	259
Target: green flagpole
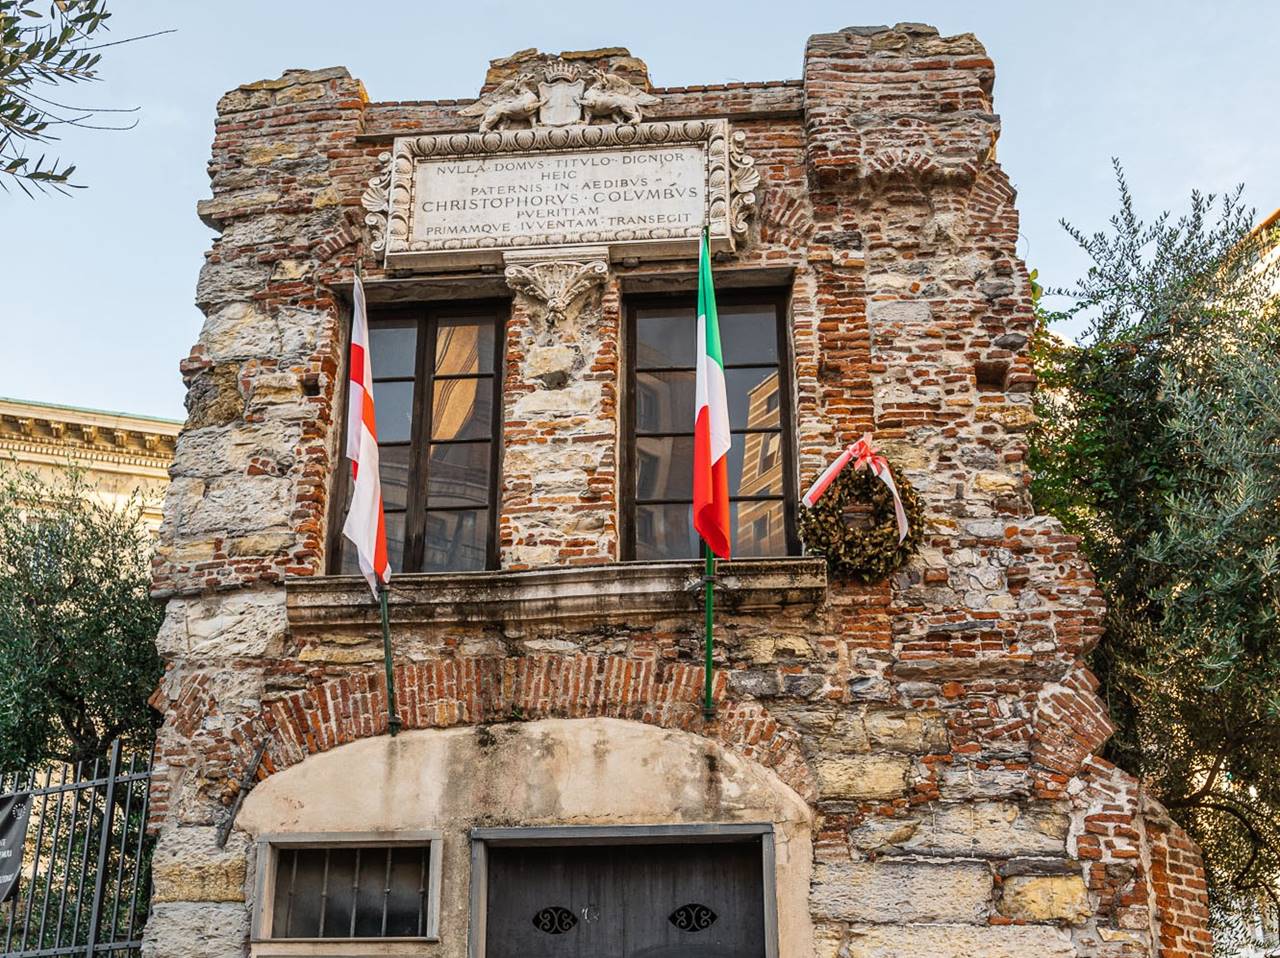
393	716
709	587
709	570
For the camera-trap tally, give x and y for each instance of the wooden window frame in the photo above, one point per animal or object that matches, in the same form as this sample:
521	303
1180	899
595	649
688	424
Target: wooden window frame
427	316
711	833
780	299
262	945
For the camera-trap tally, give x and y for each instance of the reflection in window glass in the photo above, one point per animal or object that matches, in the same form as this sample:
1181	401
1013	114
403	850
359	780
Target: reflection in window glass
395	540
665	338
393	466
435	378
663	386
463	346
665	532
749	334
462	409
458	474
393	410
396	347
456	540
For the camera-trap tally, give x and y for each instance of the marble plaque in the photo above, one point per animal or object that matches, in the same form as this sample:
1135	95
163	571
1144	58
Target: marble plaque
642	191
602	193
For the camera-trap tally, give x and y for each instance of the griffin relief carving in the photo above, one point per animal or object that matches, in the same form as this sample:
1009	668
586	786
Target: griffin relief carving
515	100
553	94
618	100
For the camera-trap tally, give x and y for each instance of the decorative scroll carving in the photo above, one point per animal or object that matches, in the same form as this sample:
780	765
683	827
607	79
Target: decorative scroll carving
552	94
376	199
556	284
743	180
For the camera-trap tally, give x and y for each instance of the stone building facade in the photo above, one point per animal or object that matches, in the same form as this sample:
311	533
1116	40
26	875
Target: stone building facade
119	453
911	765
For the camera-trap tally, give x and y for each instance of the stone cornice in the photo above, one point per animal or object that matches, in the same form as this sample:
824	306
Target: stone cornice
618	593
56	433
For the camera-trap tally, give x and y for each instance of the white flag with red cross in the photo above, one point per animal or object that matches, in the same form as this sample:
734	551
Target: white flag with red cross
365	525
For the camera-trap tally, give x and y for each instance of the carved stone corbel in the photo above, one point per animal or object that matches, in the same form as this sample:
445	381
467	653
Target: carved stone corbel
555	285
376	201
743	180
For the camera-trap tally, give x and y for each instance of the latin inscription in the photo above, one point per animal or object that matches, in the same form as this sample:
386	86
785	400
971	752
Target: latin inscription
610	192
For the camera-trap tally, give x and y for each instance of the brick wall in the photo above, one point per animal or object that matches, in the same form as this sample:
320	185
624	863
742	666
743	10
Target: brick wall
1178	886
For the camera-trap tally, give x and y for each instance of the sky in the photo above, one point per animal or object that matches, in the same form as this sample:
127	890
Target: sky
96	290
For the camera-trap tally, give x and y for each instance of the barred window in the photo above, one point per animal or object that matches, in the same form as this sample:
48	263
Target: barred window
658	493
351	890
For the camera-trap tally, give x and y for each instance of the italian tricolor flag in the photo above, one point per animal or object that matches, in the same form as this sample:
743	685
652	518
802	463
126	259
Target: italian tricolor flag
711	421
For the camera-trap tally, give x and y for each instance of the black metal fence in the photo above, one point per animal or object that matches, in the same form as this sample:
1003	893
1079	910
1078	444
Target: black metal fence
85	882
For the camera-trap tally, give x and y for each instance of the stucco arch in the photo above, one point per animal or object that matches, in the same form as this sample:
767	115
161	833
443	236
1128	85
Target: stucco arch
487	689
590	771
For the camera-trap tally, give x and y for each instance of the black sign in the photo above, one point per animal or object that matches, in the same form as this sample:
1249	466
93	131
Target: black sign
14	811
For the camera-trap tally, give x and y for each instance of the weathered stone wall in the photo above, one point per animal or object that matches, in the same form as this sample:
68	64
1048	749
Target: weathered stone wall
940	726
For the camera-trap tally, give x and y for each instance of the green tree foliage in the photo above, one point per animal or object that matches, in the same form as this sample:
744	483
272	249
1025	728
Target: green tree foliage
44	45
1159	445
77	623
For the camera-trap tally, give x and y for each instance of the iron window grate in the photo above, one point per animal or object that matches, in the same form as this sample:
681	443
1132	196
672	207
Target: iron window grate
351	891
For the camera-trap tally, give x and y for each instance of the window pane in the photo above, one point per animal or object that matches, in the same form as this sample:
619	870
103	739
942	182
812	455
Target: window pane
664	468
456	541
666	337
750	402
393	409
755	464
350	563
664	402
393	349
373	880
395	542
458	475
301	914
759	529
464	345
408	881
666	532
337	910
393	466
462	409
280	900
749	333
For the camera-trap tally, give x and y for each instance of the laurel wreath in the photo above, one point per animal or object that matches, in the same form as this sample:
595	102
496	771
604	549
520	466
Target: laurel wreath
867	551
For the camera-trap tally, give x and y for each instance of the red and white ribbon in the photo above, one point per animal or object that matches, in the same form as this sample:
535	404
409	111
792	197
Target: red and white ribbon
863	455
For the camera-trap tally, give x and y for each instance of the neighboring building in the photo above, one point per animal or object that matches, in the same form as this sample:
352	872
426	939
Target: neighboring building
1269	258
906	769
119	453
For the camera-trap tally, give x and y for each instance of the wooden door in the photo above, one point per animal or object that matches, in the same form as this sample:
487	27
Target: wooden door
696	900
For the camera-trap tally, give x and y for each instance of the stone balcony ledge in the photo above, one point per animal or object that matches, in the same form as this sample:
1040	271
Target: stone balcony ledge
619	593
